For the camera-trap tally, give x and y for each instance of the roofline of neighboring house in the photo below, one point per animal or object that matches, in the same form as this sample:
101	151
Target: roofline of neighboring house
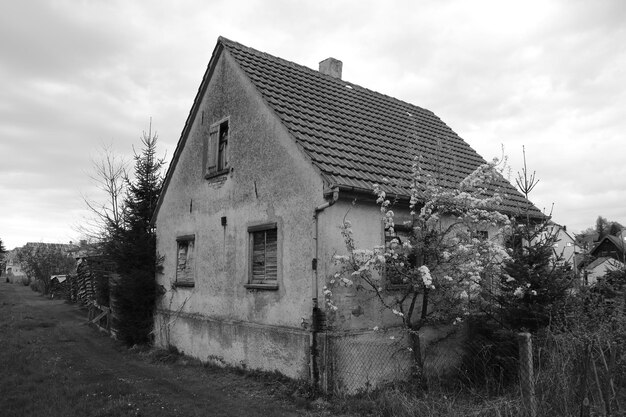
621	245
185	132
562	229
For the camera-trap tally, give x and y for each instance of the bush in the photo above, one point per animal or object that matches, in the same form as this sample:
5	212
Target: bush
491	357
25	281
135	294
37	286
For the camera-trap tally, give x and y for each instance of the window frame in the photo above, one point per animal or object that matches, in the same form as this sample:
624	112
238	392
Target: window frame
264	284
216	156
387	238
189	262
482	235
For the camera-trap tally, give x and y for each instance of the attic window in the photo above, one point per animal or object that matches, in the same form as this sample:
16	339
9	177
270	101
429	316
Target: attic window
394	239
217	149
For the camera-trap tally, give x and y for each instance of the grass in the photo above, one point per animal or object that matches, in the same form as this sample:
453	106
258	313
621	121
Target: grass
35	378
40	377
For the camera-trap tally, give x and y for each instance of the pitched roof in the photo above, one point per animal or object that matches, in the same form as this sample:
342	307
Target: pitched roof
599	261
616	241
355	136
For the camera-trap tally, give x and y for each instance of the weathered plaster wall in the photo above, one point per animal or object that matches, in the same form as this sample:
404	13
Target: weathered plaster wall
358	354
270	181
565	247
357	309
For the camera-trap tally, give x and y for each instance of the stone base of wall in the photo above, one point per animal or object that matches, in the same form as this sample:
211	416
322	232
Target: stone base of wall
235	343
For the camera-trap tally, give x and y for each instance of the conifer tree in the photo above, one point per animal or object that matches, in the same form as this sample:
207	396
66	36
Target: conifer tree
133	248
535	280
2	260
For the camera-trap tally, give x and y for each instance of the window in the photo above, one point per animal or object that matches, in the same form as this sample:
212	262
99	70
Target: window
263	256
217	149
184	261
396	238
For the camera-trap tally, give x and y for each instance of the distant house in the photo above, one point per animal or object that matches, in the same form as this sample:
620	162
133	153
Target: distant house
271	160
600	267
565	245
13	270
610	246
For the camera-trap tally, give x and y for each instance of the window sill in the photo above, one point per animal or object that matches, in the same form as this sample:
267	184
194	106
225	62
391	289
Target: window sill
184	284
267	287
216	173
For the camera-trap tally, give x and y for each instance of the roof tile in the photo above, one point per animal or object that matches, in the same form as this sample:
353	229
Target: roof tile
356	136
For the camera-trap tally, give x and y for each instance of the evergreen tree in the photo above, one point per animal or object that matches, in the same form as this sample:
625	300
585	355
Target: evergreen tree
133	248
535	283
602	226
615	229
2	260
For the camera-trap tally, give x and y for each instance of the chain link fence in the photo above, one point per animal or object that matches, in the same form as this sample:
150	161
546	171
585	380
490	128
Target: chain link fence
547	374
356	362
360	362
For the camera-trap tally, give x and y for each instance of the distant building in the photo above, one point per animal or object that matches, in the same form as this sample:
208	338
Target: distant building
610	246
13	269
600	267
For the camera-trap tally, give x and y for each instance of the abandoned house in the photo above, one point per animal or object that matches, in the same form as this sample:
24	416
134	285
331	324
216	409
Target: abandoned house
272	158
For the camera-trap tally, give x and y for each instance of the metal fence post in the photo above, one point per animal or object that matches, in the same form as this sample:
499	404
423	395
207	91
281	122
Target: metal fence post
526	374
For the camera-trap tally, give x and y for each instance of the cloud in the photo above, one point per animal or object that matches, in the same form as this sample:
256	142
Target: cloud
548	76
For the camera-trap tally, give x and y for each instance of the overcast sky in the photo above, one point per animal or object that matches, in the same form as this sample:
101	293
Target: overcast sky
74	75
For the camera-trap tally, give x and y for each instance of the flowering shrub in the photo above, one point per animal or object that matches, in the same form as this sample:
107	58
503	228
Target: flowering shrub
440	267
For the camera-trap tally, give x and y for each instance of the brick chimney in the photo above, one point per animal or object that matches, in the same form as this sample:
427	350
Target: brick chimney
332	67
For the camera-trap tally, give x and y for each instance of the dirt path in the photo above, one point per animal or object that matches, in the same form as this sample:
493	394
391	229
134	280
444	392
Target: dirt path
107	370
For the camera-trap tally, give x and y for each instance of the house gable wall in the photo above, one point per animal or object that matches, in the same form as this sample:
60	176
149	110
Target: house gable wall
357	309
608	248
270	181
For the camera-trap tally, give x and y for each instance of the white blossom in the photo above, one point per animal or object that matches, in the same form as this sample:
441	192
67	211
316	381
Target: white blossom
425	274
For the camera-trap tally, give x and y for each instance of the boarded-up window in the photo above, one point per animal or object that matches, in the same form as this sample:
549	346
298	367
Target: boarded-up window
263	254
184	261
